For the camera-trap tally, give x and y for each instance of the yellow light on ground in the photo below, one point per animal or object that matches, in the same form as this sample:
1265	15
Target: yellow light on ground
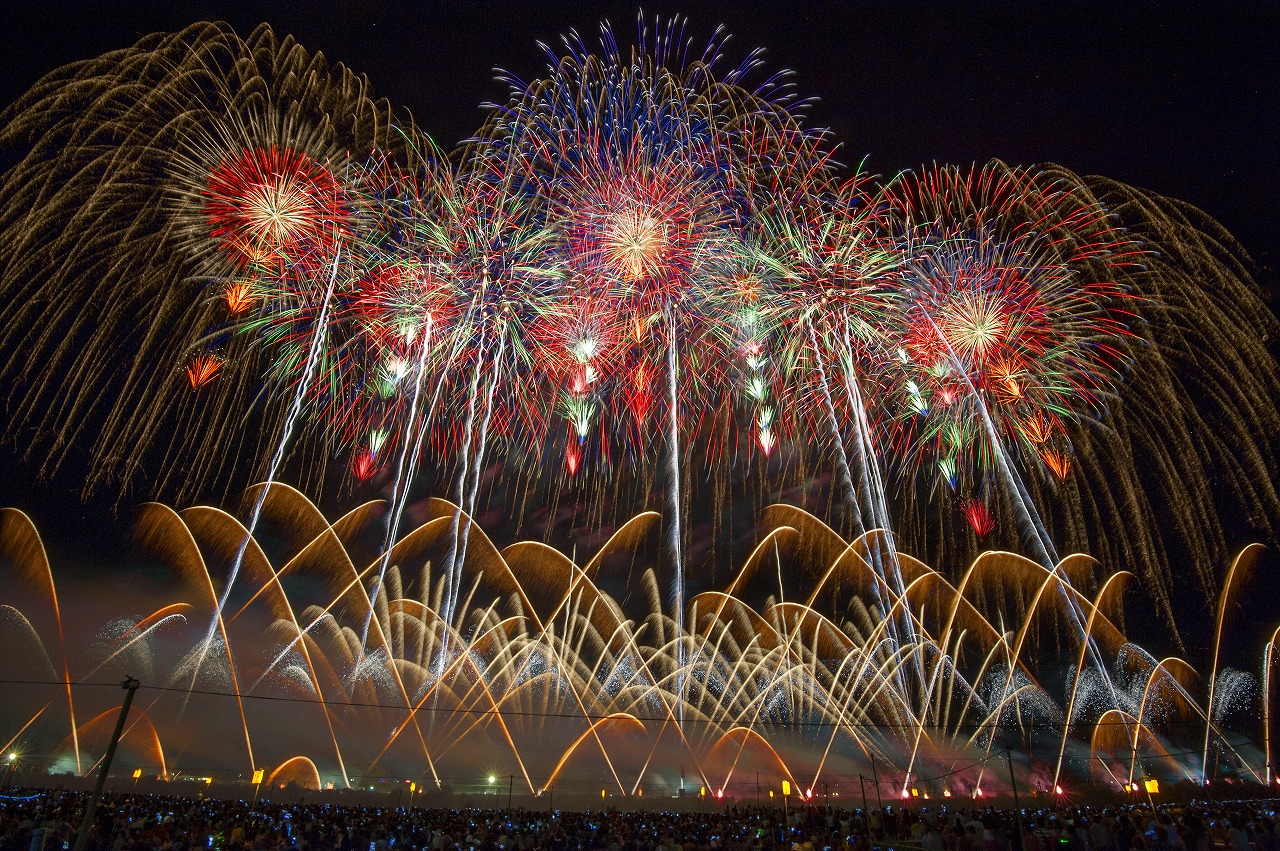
786	787
258	774
413	787
137	772
1153	786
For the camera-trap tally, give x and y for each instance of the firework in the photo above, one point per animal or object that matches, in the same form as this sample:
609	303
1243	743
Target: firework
644	283
1012	319
803	683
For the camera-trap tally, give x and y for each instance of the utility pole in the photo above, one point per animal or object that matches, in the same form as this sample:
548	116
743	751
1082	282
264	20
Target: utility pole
1017	808
862	783
511	782
875	778
82	836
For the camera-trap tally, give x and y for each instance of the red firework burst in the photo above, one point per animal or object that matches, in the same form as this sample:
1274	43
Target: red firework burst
640	234
263	204
1011	313
364	465
395	301
975	511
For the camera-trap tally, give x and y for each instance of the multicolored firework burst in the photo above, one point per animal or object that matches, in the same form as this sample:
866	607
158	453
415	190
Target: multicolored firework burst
1010	319
644	283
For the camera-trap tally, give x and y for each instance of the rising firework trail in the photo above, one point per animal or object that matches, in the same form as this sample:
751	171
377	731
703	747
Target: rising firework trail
295	409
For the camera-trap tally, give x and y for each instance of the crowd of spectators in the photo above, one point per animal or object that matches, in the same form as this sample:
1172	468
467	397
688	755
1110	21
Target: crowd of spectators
170	823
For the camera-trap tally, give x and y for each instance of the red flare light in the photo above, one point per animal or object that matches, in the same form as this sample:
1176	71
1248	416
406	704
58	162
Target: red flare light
364	466
975	511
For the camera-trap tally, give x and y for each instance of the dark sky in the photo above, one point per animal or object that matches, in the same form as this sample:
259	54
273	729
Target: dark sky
1178	98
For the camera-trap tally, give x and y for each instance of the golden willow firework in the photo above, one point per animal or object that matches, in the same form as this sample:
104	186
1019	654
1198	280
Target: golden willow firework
120	163
787	670
644	284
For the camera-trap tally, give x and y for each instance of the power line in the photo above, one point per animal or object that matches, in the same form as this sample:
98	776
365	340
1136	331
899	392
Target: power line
587	716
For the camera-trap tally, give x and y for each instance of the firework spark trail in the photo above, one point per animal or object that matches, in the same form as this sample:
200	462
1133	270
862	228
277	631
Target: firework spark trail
295	408
453	569
837	441
289	646
1029	520
884	548
431	407
815	674
892	577
403	478
478	466
460	526
673	505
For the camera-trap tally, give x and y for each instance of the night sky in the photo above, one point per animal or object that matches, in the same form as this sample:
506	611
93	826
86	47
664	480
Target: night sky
1181	99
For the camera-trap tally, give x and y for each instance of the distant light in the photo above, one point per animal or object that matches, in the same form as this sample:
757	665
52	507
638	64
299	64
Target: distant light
1057	790
492	779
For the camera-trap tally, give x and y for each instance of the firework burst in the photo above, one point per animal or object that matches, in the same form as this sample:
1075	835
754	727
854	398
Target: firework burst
641	259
